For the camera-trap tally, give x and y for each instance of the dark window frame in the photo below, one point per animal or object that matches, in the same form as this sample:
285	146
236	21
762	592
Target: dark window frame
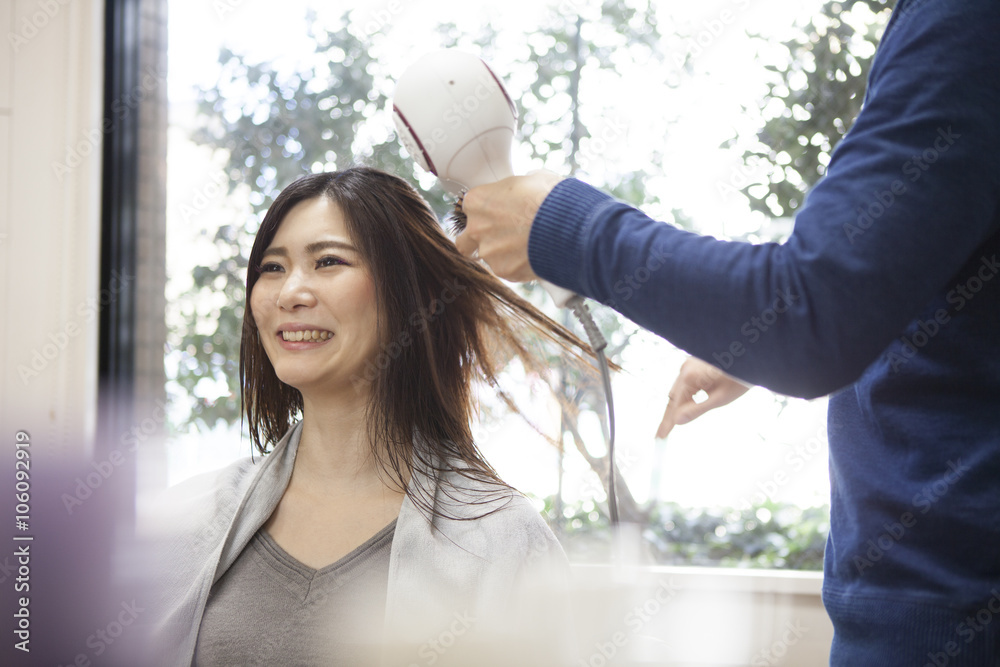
119	224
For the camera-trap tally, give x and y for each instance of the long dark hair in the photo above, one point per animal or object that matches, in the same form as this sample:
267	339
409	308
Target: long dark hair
444	322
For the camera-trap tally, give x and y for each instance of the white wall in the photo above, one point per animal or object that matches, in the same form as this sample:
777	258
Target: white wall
51	79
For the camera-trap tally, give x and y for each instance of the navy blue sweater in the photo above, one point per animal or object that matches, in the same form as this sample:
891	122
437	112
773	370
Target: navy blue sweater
886	295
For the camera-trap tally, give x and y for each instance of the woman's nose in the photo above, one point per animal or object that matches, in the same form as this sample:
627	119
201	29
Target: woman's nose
295	292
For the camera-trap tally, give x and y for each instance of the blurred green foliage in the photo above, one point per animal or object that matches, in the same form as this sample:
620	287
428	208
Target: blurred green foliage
813	97
767	535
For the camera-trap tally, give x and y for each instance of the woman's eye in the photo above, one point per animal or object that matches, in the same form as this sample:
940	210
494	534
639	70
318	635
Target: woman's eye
330	260
270	267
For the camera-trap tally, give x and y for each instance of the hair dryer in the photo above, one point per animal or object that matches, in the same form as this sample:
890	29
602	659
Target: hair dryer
457	121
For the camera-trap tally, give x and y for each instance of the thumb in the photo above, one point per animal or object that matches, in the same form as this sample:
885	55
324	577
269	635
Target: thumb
692	410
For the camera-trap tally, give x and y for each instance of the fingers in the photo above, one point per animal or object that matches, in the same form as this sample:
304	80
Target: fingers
474	205
467	241
695	376
680	410
681	395
496	231
690	410
499	217
668	422
467	245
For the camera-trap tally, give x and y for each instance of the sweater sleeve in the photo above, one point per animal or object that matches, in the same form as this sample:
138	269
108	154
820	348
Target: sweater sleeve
910	194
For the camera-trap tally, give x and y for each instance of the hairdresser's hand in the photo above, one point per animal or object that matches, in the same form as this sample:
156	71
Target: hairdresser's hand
696	375
499	222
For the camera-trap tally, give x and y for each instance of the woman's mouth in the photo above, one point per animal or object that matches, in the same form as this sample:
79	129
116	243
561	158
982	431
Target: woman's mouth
309	335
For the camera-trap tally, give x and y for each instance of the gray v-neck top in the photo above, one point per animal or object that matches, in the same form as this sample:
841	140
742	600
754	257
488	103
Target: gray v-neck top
270	609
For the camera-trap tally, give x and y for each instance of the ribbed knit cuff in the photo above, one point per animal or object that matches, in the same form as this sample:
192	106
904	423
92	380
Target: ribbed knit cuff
558	238
892	631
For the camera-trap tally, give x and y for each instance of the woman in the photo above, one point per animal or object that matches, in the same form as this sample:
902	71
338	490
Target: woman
374	524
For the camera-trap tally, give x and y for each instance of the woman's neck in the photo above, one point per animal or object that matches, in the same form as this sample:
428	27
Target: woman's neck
335	499
335	450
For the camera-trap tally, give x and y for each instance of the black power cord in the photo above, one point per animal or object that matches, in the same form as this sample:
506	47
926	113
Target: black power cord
598	343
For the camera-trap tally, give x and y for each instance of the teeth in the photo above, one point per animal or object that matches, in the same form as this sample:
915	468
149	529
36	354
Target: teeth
311	335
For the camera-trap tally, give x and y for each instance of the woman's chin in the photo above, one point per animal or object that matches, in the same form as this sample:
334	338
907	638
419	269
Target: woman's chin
303	381
309	384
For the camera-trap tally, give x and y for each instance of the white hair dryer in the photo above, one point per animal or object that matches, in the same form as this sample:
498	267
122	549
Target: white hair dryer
457	121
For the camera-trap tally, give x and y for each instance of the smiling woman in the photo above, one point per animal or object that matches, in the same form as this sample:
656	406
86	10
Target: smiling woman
374	522
313	285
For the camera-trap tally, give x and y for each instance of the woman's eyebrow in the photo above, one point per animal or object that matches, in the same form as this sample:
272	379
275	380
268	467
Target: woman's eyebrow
312	248
281	252
318	246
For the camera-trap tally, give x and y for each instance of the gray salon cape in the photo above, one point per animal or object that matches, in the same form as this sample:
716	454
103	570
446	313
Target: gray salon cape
486	590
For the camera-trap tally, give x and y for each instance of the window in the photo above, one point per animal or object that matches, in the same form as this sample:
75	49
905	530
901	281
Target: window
657	105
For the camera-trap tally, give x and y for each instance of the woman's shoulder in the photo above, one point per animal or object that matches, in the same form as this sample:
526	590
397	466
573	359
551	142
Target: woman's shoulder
517	527
464	496
492	519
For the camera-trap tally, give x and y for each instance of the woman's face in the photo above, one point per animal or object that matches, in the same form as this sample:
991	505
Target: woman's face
314	302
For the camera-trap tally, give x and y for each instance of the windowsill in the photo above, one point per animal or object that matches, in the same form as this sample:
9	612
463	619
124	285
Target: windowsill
793	582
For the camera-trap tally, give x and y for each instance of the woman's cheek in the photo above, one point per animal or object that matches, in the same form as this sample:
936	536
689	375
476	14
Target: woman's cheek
257	305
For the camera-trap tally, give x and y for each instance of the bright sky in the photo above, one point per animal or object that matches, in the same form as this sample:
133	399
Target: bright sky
720	460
